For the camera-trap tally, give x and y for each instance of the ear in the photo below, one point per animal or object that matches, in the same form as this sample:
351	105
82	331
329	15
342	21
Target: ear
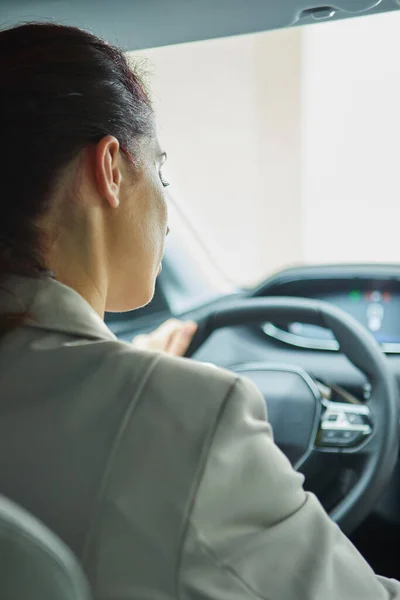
107	169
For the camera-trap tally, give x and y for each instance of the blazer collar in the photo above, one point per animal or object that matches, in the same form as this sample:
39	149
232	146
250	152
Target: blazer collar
53	306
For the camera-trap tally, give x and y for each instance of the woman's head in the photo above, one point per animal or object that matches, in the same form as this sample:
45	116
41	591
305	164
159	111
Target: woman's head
80	169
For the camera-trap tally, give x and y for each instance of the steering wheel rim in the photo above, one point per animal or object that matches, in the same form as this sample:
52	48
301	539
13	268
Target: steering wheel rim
362	350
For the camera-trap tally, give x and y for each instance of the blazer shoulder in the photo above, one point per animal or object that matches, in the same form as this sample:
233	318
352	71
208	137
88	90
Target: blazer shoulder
163	382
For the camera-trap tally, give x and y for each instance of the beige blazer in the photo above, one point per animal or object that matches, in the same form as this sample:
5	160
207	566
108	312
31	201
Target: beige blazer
161	474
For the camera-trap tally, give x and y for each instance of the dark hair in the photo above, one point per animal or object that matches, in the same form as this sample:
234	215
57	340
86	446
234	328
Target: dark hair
61	89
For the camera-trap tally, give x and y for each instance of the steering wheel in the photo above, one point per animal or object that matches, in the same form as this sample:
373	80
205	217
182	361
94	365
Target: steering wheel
363	437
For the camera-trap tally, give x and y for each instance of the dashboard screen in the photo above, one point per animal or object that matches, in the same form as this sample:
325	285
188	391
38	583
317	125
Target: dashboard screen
369	293
377	309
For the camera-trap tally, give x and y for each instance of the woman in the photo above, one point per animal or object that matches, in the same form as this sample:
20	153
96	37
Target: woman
160	473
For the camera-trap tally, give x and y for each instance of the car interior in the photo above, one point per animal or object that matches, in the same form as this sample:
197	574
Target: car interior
320	341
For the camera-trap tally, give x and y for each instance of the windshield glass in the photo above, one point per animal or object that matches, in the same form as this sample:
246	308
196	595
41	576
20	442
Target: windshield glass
283	146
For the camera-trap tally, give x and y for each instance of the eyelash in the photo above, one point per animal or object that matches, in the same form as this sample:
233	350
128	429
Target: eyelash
163	182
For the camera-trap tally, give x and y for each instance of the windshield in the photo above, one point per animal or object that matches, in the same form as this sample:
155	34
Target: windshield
283	146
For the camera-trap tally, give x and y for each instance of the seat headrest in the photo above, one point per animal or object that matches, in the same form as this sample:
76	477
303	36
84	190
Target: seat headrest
34	563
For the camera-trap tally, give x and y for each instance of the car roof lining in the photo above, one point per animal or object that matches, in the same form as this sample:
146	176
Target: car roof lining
137	24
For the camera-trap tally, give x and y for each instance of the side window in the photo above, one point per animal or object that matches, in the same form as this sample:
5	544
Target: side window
156	306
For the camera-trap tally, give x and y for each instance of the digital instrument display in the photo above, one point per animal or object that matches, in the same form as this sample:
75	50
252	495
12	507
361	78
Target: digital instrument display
377	309
372	301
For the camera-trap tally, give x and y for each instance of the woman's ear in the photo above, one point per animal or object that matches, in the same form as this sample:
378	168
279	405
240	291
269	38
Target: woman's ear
107	169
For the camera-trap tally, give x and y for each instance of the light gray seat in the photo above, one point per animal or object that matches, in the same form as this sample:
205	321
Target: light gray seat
34	563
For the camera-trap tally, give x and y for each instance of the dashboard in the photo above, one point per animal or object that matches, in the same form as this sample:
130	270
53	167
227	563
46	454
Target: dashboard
370	294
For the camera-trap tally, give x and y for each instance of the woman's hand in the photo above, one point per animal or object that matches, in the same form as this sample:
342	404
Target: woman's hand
172	337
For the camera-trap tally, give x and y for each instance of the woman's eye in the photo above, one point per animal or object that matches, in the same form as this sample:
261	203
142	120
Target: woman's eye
163	182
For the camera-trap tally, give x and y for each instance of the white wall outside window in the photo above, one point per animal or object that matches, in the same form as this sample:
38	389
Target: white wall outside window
351	141
283	146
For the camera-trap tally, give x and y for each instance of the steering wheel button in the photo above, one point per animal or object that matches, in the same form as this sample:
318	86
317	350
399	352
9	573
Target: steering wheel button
351	437
331	437
340	438
332	418
355	419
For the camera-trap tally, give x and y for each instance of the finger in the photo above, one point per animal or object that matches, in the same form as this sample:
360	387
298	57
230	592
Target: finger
139	340
167	328
181	339
146	342
162	336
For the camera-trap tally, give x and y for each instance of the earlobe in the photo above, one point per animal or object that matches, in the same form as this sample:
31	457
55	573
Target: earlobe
114	201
